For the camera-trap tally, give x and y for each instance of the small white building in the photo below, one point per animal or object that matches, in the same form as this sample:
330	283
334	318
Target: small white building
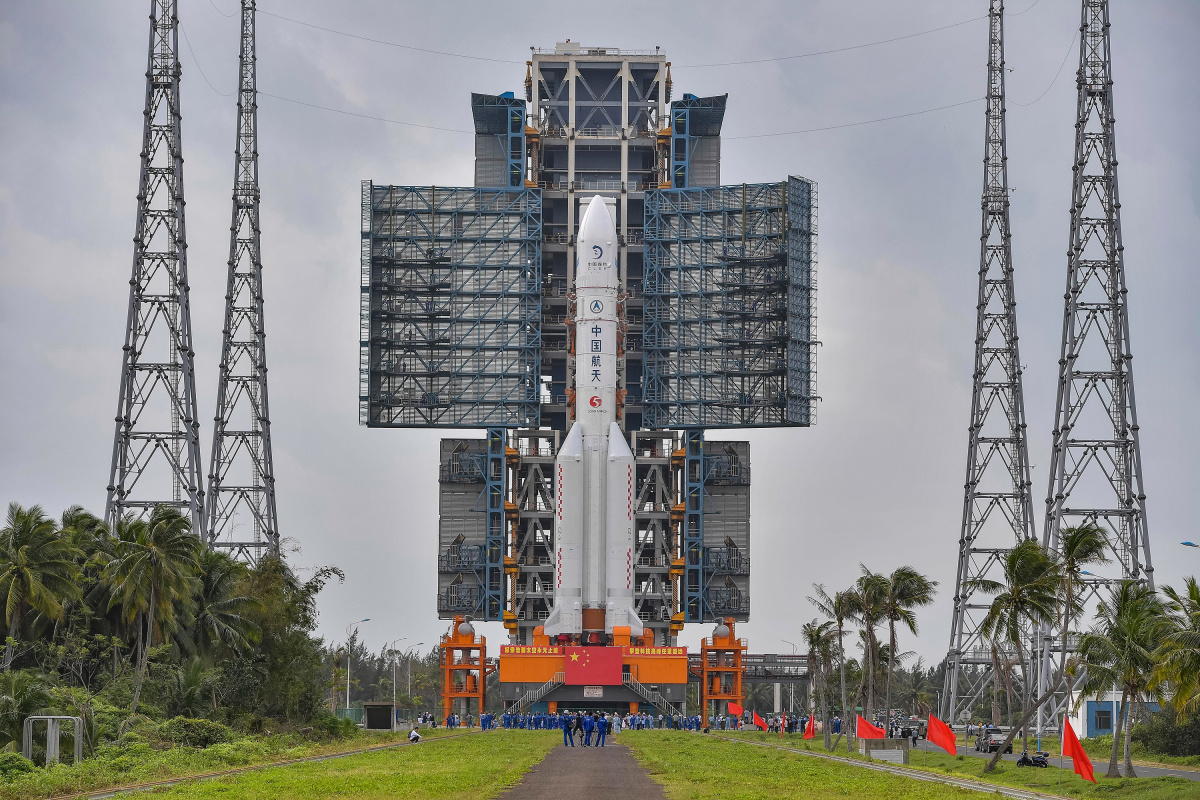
1097	715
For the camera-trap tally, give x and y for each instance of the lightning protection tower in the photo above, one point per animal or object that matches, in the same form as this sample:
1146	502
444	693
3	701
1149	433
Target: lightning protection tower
242	478
156	446
996	508
1095	463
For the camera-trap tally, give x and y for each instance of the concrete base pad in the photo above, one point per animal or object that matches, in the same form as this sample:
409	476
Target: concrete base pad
597	771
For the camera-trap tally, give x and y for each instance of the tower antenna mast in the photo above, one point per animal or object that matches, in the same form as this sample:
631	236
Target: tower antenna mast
1095	461
156	444
997	511
242	480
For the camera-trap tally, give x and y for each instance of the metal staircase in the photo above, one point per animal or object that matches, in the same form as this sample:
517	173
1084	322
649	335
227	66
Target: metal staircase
534	695
652	695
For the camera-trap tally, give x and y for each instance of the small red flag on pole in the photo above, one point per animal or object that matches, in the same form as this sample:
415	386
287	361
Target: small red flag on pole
782	725
865	730
1074	750
810	730
940	734
735	709
759	721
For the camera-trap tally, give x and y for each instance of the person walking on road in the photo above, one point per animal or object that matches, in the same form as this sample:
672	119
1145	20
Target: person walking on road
601	730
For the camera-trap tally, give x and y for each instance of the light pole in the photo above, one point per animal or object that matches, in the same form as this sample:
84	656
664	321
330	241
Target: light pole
409	657
348	657
392	648
792	685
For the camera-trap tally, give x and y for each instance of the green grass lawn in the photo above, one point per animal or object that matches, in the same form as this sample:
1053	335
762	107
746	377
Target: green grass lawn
1006	773
477	766
137	762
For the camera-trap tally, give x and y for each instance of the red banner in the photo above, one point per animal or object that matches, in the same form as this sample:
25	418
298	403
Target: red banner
734	708
865	730
1073	750
595	666
939	733
810	730
762	726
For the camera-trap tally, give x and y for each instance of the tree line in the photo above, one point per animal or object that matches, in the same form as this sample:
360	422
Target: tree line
142	620
1145	642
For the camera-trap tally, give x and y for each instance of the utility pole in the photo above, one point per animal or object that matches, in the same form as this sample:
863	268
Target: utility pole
242	476
156	443
1095	462
997	509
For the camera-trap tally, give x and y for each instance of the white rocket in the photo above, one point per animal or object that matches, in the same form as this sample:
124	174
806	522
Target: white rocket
594	471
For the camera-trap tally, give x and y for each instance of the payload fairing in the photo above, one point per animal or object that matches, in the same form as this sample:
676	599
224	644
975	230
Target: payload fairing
594	470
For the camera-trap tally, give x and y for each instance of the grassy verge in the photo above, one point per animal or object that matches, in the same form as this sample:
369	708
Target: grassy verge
468	767
1009	774
1099	749
137	762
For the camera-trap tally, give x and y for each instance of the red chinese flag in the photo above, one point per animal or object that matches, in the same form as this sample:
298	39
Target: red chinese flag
810	730
865	730
940	734
759	721
1074	750
593	666
734	708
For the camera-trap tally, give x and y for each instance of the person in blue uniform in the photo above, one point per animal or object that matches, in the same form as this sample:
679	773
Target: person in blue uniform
568	738
589	725
601	730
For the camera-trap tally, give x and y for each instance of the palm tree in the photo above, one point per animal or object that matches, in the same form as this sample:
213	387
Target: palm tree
907	590
1120	650
218	617
818	636
1027	597
152	575
1179	659
867	606
838	608
1078	547
22	693
37	570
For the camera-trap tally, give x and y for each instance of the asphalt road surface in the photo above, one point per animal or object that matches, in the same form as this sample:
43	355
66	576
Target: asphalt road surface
1100	767
609	771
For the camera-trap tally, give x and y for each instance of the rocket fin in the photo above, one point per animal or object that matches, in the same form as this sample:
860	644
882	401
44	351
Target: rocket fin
619	535
567	615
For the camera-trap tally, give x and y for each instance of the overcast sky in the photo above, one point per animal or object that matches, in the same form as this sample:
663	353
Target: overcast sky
878	479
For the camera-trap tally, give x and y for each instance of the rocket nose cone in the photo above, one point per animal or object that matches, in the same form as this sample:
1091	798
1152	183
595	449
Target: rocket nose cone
597	224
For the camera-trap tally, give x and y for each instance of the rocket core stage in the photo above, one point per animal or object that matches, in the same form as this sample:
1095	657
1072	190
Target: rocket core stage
594	471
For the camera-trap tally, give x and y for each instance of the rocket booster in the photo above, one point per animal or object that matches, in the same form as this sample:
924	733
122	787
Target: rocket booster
594	471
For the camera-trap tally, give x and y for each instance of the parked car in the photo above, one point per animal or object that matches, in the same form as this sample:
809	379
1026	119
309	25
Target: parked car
990	740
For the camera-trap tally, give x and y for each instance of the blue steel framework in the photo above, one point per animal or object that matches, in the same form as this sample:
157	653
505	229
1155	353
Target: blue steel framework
451	307
730	306
692	118
503	116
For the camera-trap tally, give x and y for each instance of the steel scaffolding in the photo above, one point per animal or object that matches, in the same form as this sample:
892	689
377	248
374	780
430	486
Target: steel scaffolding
451	307
1095	461
242	475
997	511
730	306
156	443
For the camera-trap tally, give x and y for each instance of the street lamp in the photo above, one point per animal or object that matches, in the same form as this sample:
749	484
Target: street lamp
409	657
348	657
392	647
792	683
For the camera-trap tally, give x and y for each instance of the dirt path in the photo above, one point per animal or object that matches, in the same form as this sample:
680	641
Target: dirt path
570	771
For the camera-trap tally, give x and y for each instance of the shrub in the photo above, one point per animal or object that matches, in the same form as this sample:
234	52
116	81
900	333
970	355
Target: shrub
1162	734
13	764
337	727
194	732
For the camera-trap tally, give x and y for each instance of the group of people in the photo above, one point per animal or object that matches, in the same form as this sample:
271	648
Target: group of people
634	721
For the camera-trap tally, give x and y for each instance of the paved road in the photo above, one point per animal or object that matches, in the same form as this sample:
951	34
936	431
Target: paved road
1100	766
587	772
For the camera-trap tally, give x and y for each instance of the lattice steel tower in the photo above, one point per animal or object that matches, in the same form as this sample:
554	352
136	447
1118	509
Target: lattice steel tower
156	447
242	480
1095	462
997	511
1096	456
